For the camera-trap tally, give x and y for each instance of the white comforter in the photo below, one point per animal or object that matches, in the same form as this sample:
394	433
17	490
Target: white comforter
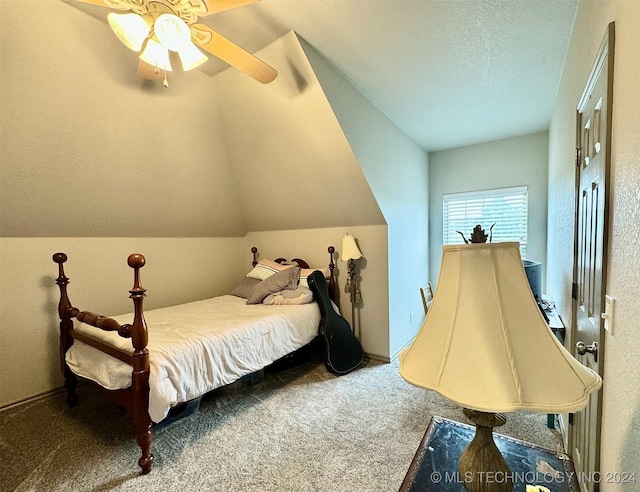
199	346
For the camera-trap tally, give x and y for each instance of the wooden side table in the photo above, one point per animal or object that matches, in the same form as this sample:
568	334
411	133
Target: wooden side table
435	465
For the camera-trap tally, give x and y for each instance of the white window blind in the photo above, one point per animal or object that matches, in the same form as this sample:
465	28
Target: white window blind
505	207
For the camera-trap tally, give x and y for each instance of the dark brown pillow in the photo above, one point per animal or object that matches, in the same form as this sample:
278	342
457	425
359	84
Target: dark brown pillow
284	280
244	288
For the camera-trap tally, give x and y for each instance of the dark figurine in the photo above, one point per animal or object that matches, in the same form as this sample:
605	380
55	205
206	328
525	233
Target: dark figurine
478	235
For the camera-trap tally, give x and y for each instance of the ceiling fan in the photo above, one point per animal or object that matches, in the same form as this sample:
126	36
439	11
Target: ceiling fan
163	31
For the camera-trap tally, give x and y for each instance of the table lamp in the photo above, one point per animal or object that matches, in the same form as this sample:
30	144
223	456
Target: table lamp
350	253
485	345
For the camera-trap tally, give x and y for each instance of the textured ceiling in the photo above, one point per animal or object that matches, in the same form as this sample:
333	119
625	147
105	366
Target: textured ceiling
448	73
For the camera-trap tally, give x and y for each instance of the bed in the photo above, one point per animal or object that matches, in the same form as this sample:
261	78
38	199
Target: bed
153	362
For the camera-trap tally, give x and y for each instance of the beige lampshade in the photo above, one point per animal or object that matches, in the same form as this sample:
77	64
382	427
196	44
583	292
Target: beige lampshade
484	343
132	29
350	250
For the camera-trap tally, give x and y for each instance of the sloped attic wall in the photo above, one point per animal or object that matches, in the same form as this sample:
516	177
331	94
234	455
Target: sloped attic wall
89	150
293	166
397	169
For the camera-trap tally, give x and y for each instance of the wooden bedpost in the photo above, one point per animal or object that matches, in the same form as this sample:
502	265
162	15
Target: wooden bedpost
332	278
254	250
140	375
66	313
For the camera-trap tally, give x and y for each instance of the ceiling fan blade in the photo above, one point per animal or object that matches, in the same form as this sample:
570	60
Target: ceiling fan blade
218	45
112	4
214	6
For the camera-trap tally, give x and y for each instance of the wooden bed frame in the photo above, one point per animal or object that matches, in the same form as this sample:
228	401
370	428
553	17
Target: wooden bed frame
135	399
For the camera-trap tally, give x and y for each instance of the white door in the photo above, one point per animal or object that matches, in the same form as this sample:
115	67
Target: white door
592	161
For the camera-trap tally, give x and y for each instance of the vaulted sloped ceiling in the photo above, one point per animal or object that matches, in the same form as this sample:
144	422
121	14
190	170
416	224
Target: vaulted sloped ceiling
293	166
89	150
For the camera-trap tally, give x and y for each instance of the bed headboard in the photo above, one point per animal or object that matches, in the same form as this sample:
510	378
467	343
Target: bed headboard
303	264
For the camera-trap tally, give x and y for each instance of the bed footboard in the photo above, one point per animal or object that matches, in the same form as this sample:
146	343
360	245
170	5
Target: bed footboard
135	398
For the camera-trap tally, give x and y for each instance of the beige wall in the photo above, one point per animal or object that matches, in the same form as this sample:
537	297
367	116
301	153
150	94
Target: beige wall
373	271
502	163
621	392
177	270
90	150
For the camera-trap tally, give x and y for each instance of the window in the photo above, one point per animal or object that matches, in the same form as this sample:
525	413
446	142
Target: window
504	207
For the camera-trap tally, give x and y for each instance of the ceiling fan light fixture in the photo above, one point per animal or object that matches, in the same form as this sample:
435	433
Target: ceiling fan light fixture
132	29
160	29
156	55
191	57
172	32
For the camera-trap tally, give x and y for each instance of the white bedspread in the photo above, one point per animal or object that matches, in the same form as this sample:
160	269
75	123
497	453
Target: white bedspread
199	346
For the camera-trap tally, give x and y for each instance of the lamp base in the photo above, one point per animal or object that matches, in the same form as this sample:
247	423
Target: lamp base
482	468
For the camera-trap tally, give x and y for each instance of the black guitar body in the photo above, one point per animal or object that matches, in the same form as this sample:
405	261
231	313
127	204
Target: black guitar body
342	350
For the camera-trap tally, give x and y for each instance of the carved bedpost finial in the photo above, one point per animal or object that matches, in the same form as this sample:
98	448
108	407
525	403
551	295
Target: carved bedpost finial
332	278
136	260
254	250
139	328
64	305
59	258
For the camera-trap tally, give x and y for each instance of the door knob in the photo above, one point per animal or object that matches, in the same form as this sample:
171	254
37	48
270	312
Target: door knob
592	349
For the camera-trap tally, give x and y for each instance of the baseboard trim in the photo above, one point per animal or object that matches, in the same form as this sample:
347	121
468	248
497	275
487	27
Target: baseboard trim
397	352
387	359
379	358
32	399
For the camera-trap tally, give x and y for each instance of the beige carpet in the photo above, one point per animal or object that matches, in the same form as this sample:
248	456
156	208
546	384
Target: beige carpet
299	430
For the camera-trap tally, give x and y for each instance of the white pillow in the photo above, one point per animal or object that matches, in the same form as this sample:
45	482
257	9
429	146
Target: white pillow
265	268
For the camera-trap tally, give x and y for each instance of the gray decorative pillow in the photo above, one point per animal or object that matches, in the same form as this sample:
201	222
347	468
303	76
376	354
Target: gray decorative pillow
244	288
302	295
284	280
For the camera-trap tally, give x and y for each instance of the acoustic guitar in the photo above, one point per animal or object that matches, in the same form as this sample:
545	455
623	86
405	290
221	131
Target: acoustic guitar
342	350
